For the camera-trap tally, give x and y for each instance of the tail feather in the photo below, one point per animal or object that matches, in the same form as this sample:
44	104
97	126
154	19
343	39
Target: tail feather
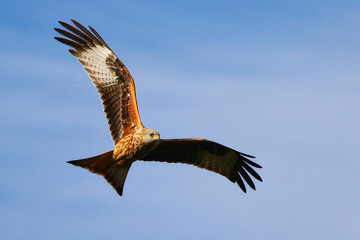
105	165
98	164
116	176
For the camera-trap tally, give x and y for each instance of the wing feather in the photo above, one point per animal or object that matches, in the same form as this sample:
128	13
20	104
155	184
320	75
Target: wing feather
109	75
208	155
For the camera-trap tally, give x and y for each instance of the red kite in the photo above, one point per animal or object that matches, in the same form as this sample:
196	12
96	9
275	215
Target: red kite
132	141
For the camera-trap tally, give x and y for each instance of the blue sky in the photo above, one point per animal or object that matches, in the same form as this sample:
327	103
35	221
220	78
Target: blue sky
275	79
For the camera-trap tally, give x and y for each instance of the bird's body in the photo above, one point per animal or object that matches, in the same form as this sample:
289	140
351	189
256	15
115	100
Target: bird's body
132	141
135	145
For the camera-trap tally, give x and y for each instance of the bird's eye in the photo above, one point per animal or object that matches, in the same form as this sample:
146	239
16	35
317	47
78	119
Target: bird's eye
151	134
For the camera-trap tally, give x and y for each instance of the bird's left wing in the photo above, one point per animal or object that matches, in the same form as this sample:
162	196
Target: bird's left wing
208	155
109	75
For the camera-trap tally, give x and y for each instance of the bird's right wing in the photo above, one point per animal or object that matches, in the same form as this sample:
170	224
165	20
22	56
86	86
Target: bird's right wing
208	155
109	75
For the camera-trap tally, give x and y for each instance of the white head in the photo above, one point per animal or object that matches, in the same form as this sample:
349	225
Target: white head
150	136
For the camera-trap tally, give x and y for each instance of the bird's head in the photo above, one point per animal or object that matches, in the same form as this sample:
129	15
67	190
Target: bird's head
150	136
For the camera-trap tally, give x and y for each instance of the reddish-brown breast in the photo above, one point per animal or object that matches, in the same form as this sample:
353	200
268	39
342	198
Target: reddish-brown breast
129	144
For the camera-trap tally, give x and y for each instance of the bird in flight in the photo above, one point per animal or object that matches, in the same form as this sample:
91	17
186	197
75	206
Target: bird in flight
132	141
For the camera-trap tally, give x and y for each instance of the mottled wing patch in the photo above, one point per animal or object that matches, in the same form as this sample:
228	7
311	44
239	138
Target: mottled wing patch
109	75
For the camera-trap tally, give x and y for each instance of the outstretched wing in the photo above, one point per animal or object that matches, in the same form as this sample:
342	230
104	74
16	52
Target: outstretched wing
209	155
109	75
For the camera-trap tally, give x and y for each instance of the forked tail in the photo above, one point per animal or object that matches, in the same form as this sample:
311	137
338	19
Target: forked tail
105	165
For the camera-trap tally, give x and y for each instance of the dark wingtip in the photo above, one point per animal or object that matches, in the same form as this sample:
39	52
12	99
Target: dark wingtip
76	23
63	23
240	182
246	155
251	163
247	178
